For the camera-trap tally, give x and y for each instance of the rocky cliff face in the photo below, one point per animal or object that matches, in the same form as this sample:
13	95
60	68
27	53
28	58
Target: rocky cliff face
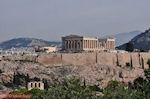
17	74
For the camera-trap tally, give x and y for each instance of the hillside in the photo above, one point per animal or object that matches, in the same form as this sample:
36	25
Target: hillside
16	74
122	38
26	42
141	41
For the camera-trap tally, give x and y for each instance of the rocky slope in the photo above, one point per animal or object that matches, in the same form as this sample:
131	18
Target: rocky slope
17	74
141	41
26	42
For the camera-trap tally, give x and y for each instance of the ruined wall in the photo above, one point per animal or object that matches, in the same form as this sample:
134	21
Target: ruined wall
143	59
138	60
106	59
79	59
123	58
50	59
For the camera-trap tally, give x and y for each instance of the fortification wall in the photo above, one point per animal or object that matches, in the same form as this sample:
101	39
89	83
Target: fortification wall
143	59
106	58
138	60
79	59
123	58
50	59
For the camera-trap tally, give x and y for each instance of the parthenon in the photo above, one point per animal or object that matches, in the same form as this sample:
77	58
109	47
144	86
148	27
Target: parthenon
81	43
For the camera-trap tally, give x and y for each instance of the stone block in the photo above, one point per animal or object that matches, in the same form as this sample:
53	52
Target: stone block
144	59
136	60
106	58
79	59
50	60
123	58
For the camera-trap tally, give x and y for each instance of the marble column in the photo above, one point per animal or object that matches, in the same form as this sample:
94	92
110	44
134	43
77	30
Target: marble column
79	44
87	44
94	44
67	44
73	44
83	44
90	44
70	44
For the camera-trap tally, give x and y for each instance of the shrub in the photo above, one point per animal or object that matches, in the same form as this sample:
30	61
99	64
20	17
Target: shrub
128	65
148	62
129	47
1	71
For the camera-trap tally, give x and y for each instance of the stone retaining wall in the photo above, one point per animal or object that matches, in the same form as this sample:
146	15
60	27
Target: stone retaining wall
82	59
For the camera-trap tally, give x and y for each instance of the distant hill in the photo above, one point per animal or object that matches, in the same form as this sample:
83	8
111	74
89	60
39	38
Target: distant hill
31	42
27	42
122	38
141	41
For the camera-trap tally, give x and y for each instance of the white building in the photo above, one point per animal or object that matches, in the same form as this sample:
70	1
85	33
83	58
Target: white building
35	84
81	43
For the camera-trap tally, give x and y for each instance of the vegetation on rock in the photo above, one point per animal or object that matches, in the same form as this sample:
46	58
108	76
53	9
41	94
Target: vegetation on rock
74	89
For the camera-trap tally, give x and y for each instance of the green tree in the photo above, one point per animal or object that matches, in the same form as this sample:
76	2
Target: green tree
72	89
129	47
148	62
147	71
116	90
142	86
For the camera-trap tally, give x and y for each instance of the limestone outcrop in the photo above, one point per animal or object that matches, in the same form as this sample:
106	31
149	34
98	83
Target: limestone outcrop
18	73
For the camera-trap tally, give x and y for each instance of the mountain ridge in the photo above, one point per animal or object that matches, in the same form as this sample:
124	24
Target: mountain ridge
141	41
122	38
26	42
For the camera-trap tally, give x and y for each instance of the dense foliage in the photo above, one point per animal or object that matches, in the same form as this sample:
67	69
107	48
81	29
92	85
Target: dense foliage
129	47
75	89
71	89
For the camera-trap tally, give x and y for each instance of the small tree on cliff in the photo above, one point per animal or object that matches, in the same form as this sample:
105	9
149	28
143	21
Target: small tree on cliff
147	71
148	62
129	47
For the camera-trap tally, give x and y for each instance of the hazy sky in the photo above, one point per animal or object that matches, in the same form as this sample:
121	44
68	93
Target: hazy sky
51	19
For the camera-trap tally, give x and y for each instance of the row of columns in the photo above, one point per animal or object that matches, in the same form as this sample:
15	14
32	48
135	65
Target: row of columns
82	44
91	44
73	44
110	45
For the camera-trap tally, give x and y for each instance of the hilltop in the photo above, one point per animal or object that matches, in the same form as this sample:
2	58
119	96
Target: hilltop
122	38
26	42
141	41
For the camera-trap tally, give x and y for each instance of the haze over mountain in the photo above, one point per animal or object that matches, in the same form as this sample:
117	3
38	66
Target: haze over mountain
26	42
122	38
141	41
